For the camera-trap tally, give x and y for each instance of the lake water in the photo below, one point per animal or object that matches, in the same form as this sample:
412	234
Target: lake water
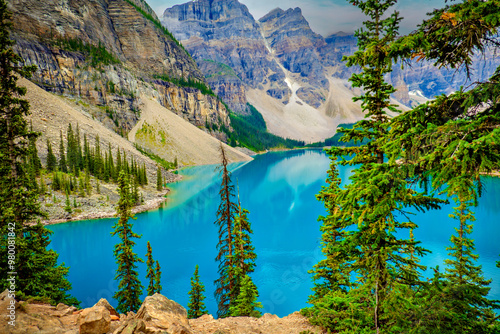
279	191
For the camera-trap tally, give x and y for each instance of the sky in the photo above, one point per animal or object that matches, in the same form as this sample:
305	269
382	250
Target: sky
326	16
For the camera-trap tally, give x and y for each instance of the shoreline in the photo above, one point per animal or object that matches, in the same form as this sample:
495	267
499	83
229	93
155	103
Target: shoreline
148	205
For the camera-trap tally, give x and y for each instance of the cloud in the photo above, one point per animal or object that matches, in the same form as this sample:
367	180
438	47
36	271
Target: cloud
327	16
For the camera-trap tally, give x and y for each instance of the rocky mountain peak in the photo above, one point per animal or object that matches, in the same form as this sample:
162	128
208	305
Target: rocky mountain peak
210	19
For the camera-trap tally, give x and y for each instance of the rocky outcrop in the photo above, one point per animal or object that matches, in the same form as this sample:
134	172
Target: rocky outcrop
94	320
157	314
294	44
108	54
162	314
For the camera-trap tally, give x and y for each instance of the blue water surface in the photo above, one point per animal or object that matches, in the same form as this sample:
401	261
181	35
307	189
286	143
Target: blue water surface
279	190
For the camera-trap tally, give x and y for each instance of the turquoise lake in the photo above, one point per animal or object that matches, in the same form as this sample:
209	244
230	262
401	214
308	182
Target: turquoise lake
279	190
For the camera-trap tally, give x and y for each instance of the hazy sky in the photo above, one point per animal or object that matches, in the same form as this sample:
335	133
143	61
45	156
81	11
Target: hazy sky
326	16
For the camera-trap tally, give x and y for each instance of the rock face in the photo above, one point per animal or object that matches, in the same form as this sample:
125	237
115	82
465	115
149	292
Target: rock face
226	34
108	54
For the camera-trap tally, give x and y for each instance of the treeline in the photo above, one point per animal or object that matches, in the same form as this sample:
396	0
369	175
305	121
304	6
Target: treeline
201	86
336	139
250	131
95	54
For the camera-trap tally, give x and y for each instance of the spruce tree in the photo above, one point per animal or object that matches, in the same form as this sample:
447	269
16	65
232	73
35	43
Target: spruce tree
51	158
243	259
196	306
33	266
157	287
246	304
359	234
159	181
225	217
151	274
129	286
63	167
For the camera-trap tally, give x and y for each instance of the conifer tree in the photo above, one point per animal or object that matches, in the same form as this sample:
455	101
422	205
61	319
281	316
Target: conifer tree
129	287
157	287
243	259
51	158
159	181
79	151
246	304
196	306
151	274
63	167
36	270
226	212
363	215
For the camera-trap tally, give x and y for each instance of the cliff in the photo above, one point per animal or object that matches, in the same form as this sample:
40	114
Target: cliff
111	56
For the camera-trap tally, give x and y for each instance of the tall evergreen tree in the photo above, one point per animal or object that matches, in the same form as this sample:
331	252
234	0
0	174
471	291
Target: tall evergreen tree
157	287
51	158
363	216
129	287
196	306
151	274
30	263
63	167
243	259
159	180
225	218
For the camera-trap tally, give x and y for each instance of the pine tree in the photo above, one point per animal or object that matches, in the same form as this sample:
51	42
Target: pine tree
67	204
157	287
33	266
63	167
246	304
359	234
159	181
129	287
225	213
51	158
196	306
243	259
151	274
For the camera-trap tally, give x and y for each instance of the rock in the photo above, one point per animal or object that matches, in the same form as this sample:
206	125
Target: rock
104	302
132	326
161	313
94	320
4	295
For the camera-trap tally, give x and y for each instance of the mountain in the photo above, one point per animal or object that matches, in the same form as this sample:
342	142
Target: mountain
293	76
274	63
115	59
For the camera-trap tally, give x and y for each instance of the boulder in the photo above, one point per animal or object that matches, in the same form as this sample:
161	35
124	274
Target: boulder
94	320
133	326
107	305
163	314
